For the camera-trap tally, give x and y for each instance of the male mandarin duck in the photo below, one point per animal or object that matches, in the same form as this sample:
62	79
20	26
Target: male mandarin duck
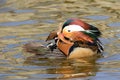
77	39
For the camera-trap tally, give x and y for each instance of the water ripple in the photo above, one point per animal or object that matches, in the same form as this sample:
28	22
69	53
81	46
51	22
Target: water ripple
24	11
111	59
114	24
18	55
97	17
5	9
118	35
18	23
2	2
9	37
50	21
12	46
44	76
41	35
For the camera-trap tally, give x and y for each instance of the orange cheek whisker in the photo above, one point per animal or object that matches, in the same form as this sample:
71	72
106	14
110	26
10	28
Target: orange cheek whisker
61	37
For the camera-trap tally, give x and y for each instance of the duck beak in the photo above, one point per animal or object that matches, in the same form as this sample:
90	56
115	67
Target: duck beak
80	36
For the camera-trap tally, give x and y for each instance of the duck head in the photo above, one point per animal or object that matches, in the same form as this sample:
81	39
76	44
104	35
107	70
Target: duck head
77	30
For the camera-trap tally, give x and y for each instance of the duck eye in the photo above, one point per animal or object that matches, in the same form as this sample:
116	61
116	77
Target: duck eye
69	30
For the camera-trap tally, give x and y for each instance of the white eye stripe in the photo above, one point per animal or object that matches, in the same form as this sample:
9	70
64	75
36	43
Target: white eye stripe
72	28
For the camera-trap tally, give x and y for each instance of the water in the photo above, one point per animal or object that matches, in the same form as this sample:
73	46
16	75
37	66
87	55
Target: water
23	21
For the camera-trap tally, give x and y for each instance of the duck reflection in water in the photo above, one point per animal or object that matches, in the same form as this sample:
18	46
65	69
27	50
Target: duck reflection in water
61	67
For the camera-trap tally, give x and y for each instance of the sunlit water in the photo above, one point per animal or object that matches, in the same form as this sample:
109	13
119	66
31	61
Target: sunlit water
23	21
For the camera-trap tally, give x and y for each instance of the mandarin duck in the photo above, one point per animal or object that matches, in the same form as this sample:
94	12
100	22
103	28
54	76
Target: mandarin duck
77	39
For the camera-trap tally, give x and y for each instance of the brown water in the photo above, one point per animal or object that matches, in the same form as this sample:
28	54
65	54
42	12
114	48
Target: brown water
22	21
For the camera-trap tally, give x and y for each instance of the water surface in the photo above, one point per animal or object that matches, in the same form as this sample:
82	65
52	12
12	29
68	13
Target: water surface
23	21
